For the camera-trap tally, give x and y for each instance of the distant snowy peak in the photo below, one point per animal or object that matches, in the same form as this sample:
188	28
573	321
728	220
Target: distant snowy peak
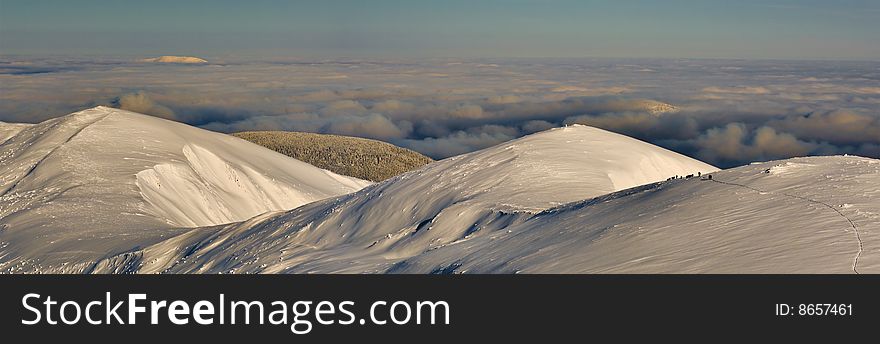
175	59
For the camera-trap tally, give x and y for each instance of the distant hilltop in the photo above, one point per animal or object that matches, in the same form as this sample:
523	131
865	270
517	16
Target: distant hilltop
175	59
657	108
350	156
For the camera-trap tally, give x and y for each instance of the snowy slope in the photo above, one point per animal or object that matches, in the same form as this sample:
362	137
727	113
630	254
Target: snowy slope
804	215
8	130
568	200
99	181
472	194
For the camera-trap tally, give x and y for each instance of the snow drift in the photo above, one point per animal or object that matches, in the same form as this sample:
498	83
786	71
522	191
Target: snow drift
805	215
447	201
105	191
78	187
8	130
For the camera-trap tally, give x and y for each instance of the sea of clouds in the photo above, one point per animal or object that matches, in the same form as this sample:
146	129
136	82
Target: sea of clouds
730	112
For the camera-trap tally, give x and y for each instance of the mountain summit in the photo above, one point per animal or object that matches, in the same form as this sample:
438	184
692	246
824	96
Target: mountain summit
105	179
460	198
176	59
110	191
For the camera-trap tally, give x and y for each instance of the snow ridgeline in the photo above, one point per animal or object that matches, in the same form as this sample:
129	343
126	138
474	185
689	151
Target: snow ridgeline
803	215
446	201
8	130
567	200
76	188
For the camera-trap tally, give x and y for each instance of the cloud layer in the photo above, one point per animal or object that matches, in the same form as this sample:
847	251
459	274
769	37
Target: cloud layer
726	112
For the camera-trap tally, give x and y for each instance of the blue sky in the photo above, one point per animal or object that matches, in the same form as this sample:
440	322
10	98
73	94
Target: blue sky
778	29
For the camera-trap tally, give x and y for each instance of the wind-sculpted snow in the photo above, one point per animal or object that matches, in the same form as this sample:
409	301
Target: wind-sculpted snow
821	216
98	182
451	200
207	190
803	215
8	130
568	200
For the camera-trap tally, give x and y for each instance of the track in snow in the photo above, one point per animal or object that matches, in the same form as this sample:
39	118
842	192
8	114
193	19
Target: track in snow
851	223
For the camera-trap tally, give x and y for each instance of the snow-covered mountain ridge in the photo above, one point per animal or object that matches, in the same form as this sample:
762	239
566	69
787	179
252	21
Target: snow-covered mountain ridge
105	191
805	215
103	179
